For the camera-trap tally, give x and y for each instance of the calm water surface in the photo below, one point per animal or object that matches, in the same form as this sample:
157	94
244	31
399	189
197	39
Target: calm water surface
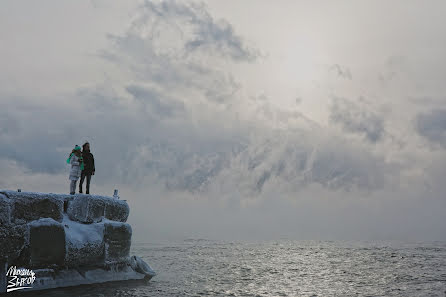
284	268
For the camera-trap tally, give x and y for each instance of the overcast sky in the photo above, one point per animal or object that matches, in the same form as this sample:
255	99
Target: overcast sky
234	119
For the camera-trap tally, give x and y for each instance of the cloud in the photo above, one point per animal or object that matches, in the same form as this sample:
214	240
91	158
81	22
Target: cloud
289	162
158	104
342	72
203	32
179	45
395	66
32	134
354	118
175	130
432	126
164	100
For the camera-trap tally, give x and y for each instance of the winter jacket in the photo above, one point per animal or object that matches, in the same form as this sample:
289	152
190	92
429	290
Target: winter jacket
88	162
75	171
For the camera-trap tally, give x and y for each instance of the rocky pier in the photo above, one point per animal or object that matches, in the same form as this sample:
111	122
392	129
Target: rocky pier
65	240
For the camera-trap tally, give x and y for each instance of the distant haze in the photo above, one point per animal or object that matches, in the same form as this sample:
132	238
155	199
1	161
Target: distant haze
234	119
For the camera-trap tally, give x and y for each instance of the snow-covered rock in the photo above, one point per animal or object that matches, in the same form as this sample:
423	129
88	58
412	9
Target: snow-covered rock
140	266
67	240
46	243
117	238
84	243
51	278
29	206
5	210
92	209
13	239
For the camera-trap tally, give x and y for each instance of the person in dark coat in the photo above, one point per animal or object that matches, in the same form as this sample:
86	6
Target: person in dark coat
89	168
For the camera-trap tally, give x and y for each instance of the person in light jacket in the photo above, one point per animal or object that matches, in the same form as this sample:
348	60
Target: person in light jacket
76	161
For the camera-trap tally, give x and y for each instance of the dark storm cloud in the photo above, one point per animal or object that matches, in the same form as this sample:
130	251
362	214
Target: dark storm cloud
432	126
354	118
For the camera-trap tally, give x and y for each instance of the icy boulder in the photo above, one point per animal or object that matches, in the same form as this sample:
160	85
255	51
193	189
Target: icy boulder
84	243
67	240
46	243
116	210
5	210
32	208
140	266
13	239
117	238
92	209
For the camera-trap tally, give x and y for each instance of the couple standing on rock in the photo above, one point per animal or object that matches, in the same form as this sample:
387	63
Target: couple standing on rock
82	165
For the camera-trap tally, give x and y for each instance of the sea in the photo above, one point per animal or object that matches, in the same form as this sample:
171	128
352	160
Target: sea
198	267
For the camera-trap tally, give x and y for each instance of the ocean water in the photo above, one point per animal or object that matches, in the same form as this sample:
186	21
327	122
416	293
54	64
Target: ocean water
283	268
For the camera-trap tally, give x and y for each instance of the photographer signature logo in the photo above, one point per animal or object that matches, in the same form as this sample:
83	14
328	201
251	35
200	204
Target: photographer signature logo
19	279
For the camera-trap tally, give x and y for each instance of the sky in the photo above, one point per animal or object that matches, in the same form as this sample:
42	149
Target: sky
234	120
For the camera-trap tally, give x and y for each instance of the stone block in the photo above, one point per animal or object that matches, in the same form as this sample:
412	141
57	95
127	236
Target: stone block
5	210
12	241
85	244
46	243
117	238
3	278
140	266
31	208
86	209
116	210
92	209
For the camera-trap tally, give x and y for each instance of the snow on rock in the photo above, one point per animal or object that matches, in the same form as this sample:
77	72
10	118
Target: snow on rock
85	243
86	209
117	238
116	210
92	209
5	210
29	206
67	240
3	268
140	266
49	278
13	239
46	243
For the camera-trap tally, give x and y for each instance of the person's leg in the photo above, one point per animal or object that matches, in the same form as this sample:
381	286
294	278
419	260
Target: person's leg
81	182
88	183
73	187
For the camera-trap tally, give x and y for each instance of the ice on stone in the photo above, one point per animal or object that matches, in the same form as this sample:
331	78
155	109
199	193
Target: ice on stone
117	238
85	243
67	240
92	209
46	243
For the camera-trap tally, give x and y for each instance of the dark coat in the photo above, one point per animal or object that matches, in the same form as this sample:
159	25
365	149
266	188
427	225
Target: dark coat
88	162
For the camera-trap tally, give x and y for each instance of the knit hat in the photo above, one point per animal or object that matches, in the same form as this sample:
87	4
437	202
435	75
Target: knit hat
76	148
